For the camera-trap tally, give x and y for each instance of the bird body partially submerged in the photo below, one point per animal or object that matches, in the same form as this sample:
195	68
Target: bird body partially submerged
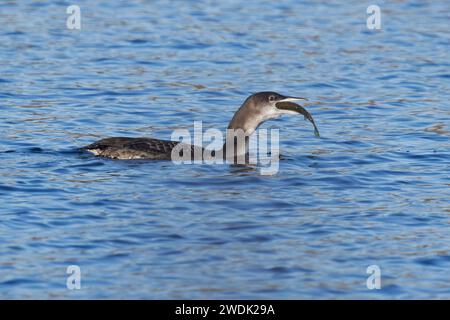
132	148
255	110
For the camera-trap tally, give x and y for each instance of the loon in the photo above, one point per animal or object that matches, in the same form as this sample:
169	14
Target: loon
255	110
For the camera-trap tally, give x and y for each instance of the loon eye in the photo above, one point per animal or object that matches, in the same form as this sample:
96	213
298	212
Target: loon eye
271	98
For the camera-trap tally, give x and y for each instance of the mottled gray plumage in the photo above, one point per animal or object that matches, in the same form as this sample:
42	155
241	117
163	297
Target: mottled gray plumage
134	148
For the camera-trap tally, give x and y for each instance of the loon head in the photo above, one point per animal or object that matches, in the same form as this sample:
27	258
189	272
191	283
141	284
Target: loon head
263	106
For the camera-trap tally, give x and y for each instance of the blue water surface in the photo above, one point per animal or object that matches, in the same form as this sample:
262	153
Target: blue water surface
373	190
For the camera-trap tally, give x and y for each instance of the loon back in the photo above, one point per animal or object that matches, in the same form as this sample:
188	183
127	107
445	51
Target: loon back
132	148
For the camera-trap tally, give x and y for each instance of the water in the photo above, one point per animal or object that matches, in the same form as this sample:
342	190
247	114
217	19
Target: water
373	190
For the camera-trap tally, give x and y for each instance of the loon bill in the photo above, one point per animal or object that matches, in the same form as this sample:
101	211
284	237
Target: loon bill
255	110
